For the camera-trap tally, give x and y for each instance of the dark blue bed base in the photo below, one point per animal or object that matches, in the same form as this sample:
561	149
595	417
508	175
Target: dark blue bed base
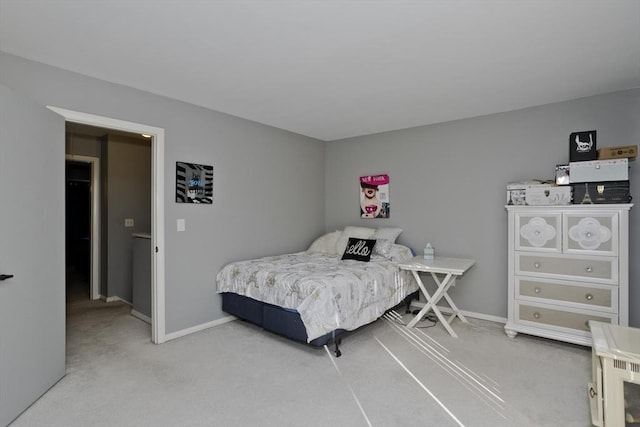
282	321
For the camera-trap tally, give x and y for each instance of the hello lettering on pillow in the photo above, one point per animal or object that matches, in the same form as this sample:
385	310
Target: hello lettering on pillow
359	249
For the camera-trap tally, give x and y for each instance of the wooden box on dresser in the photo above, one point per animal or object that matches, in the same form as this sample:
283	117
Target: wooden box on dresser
567	265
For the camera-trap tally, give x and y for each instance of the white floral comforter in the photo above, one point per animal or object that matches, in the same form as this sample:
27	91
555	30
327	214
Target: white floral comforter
327	292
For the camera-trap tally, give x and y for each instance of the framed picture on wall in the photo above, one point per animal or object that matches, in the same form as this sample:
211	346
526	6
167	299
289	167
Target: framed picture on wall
194	183
374	196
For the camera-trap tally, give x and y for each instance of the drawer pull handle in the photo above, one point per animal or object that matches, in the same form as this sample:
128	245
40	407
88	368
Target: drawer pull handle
589	297
592	392
536	315
536	290
536	265
589	269
589	234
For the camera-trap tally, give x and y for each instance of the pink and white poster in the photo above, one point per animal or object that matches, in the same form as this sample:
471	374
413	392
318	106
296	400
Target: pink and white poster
374	196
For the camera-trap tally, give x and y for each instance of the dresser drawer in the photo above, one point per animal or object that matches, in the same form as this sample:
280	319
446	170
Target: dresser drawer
560	317
539	232
591	234
579	295
588	269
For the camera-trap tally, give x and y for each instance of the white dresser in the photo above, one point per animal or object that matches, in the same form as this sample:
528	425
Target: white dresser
567	265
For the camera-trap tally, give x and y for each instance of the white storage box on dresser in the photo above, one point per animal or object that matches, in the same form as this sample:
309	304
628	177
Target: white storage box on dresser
567	265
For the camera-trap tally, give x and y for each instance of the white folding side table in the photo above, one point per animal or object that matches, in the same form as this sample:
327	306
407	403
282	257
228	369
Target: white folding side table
449	269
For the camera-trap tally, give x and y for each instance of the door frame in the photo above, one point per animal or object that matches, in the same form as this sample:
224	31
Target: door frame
158	331
94	285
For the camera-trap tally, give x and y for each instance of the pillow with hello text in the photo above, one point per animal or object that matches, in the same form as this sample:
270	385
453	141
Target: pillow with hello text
352	231
359	249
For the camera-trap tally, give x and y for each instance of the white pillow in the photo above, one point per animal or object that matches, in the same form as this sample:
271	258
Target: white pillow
385	238
359	232
400	253
325	244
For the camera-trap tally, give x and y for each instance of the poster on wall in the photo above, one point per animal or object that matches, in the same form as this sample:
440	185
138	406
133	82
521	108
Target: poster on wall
374	196
194	183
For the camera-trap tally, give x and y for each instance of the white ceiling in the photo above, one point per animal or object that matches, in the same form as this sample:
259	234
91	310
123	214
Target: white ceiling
336	69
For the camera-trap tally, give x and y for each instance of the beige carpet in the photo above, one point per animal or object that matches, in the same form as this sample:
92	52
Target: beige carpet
238	375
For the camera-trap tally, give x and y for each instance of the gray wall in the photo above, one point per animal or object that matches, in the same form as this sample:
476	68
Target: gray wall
82	145
268	183
448	182
128	186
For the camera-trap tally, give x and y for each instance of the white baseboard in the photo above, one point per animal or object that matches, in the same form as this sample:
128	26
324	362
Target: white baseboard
417	304
113	299
465	313
223	320
198	328
141	316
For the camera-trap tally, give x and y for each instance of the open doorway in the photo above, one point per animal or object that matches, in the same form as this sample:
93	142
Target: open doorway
82	193
157	205
108	201
78	230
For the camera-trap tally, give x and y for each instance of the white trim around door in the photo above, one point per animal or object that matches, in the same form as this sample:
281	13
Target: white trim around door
157	206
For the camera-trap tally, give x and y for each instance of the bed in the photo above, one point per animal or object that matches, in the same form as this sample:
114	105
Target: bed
345	280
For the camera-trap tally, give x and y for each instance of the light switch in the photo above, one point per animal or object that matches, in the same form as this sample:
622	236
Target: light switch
181	224
128	222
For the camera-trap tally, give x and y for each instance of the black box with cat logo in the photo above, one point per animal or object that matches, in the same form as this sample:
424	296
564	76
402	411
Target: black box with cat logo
586	193
582	146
